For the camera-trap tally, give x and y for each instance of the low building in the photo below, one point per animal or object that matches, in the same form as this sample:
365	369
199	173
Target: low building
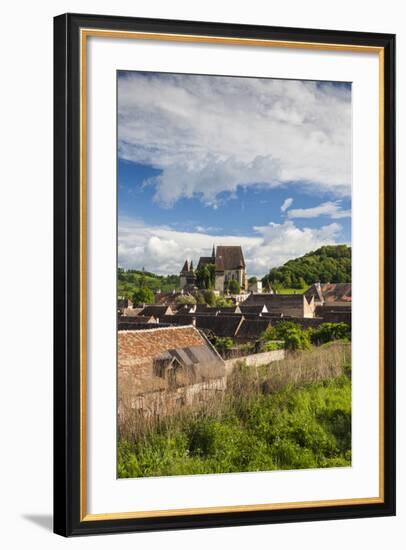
255	287
336	312
293	305
131	311
131	323
250	330
156	311
123	303
178	319
224	326
256	309
164	369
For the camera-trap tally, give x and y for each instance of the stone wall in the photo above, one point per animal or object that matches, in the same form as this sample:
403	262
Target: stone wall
256	359
164	403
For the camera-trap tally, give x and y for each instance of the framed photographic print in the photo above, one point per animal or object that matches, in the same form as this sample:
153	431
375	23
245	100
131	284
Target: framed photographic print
224	274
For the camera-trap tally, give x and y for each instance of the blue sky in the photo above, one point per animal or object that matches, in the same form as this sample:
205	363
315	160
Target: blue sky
260	162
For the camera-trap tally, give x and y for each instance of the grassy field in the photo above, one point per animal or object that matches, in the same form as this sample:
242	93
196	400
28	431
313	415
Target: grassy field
293	414
291	290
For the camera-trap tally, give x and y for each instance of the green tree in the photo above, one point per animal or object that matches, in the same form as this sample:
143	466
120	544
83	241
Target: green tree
186	300
205	276
143	296
221	301
234	287
328	332
326	264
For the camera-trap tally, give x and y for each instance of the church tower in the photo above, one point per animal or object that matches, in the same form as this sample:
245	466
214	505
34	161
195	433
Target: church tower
184	274
187	275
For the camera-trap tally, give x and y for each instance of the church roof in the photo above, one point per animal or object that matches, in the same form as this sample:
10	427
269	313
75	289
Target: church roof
229	257
185	267
204	260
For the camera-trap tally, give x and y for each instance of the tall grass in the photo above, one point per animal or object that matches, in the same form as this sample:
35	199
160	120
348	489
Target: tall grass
292	414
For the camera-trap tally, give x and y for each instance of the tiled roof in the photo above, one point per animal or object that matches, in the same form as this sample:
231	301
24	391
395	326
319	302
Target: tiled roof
169	298
336	292
251	329
132	311
221	326
138	319
270	299
185	267
156	310
139	349
229	257
282	304
254	308
315	291
124	303
123	325
204	260
184	319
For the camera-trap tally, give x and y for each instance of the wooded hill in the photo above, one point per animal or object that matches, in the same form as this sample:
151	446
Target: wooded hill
326	264
132	279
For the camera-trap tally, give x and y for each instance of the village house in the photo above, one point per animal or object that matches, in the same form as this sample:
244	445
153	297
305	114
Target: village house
123	304
255	286
335	312
330	293
137	322
256	309
229	265
222	326
250	330
170	298
291	305
163	369
157	311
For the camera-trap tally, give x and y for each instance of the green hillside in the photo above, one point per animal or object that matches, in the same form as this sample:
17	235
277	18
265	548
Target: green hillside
132	280
327	264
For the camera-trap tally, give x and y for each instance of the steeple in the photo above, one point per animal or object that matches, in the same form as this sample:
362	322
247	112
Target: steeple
185	267
213	254
191	266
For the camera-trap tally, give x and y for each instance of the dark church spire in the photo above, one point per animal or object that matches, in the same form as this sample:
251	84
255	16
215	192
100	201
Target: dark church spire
185	268
213	254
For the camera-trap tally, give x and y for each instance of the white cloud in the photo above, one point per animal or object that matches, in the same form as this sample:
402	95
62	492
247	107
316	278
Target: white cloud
287	203
163	250
212	134
331	209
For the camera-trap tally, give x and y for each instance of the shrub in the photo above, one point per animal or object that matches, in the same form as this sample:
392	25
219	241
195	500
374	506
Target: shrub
209	297
223	344
272	346
294	336
328	332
